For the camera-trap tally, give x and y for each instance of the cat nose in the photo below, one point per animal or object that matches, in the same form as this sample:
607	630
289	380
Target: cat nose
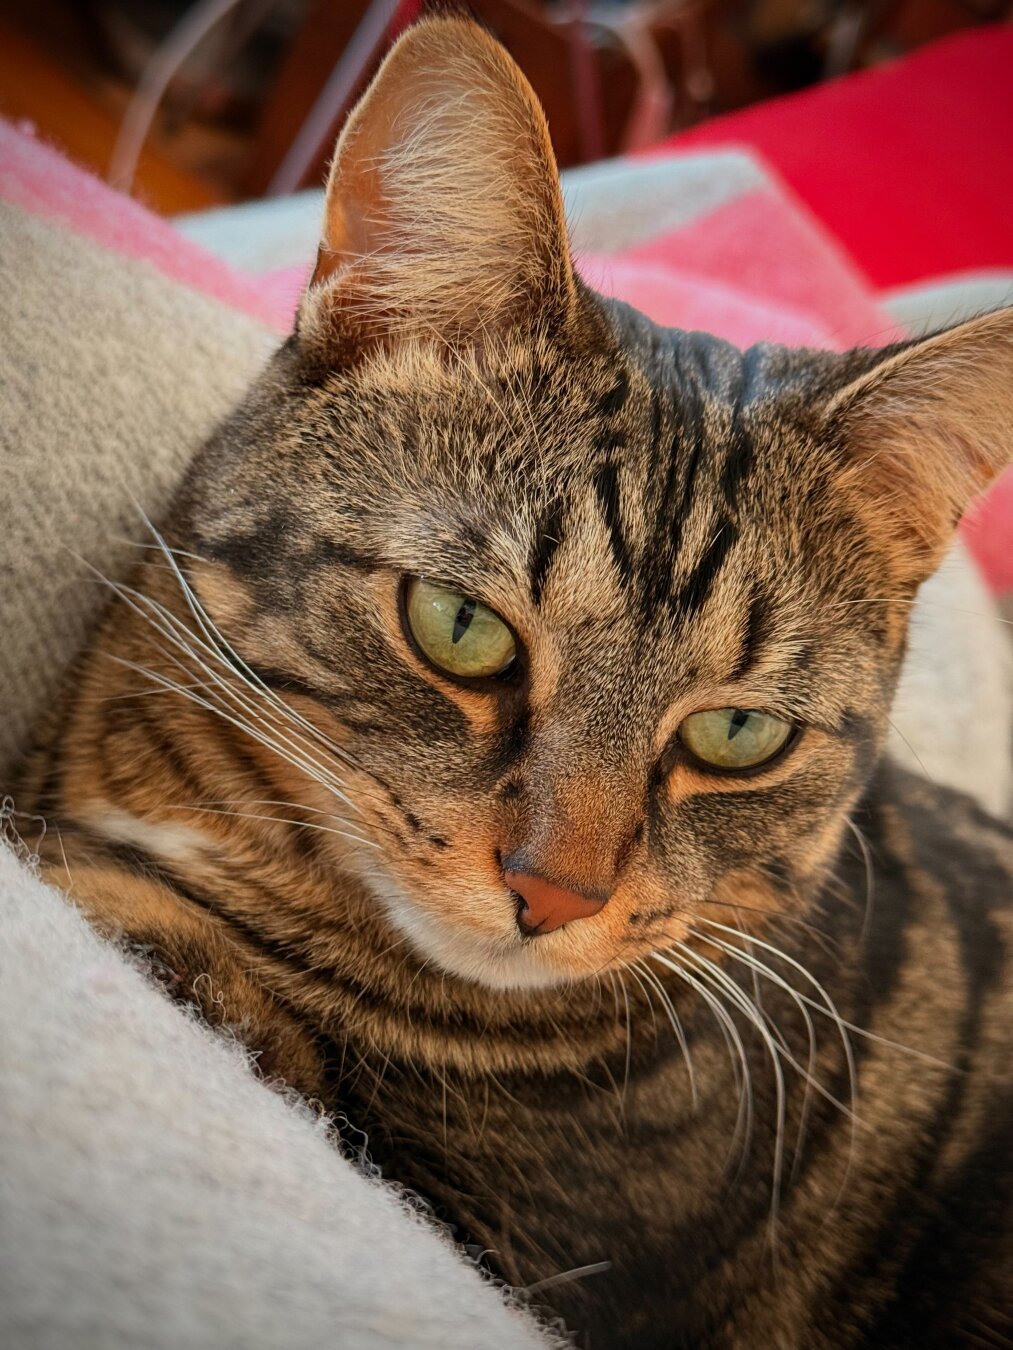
546	905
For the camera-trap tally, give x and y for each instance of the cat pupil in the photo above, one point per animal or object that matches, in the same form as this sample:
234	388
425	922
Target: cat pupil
463	619
736	722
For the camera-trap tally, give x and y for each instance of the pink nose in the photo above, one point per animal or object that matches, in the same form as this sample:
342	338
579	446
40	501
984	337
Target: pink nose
547	906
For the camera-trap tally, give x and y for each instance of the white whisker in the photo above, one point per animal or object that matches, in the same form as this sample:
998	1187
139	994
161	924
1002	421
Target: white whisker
279	820
313	771
827	1007
251	707
673	1018
722	983
734	1045
869	875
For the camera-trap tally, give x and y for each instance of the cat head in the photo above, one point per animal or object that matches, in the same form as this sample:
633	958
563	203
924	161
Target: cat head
596	623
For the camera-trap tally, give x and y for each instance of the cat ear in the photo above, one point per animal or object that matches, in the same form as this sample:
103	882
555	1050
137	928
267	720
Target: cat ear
443	214
924	432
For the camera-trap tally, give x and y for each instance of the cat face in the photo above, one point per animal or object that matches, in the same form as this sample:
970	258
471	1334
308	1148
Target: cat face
600	621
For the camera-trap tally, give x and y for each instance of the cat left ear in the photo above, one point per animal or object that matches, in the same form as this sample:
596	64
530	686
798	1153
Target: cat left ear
443	215
924	432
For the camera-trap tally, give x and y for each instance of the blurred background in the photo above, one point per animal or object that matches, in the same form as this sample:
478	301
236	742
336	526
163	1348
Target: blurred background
194	104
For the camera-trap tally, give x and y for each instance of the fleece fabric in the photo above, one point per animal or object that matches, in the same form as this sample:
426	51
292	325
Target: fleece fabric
112	375
157	1196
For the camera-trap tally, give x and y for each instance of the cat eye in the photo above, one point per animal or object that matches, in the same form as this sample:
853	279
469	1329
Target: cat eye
458	634
734	738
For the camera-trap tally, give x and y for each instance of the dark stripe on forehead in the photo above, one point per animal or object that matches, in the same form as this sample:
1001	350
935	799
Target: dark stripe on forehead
689	481
741	452
673	498
738	463
614	398
755	633
606	486
735	472
698	584
655	431
547	540
688	443
706	375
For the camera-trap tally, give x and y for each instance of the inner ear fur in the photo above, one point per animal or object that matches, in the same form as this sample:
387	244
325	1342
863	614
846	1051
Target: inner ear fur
443	214
923	433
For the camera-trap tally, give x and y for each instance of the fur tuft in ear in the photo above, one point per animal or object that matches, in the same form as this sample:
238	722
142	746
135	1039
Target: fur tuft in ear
924	432
443	215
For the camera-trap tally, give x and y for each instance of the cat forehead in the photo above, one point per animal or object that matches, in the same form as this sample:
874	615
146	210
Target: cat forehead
548	416
628	475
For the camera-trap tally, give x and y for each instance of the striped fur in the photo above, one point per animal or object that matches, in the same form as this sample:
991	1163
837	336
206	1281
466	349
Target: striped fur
760	1098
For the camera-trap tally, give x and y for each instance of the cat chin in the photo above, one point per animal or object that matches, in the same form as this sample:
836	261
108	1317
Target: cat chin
496	965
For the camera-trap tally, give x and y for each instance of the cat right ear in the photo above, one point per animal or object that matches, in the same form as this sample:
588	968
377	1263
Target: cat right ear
923	433
443	215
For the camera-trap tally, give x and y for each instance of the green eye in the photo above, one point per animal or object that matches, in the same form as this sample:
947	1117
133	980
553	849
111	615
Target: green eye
734	738
458	634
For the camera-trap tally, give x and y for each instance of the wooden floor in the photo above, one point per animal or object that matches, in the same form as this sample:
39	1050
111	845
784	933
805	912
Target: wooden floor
37	90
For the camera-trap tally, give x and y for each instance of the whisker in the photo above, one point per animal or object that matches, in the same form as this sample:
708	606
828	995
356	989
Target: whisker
631	967
914	752
870	880
280	820
291	746
734	1045
314	772
677	1027
758	968
723	983
629	1037
216	643
828	1007
137	600
922	602
565	1276
826	941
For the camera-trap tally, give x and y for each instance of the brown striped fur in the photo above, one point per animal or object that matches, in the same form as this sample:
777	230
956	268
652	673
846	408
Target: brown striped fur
763	1095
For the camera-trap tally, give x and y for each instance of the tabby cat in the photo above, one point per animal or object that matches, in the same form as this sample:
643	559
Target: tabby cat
493	736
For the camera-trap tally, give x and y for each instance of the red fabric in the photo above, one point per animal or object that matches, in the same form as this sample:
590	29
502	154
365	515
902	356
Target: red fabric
910	165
